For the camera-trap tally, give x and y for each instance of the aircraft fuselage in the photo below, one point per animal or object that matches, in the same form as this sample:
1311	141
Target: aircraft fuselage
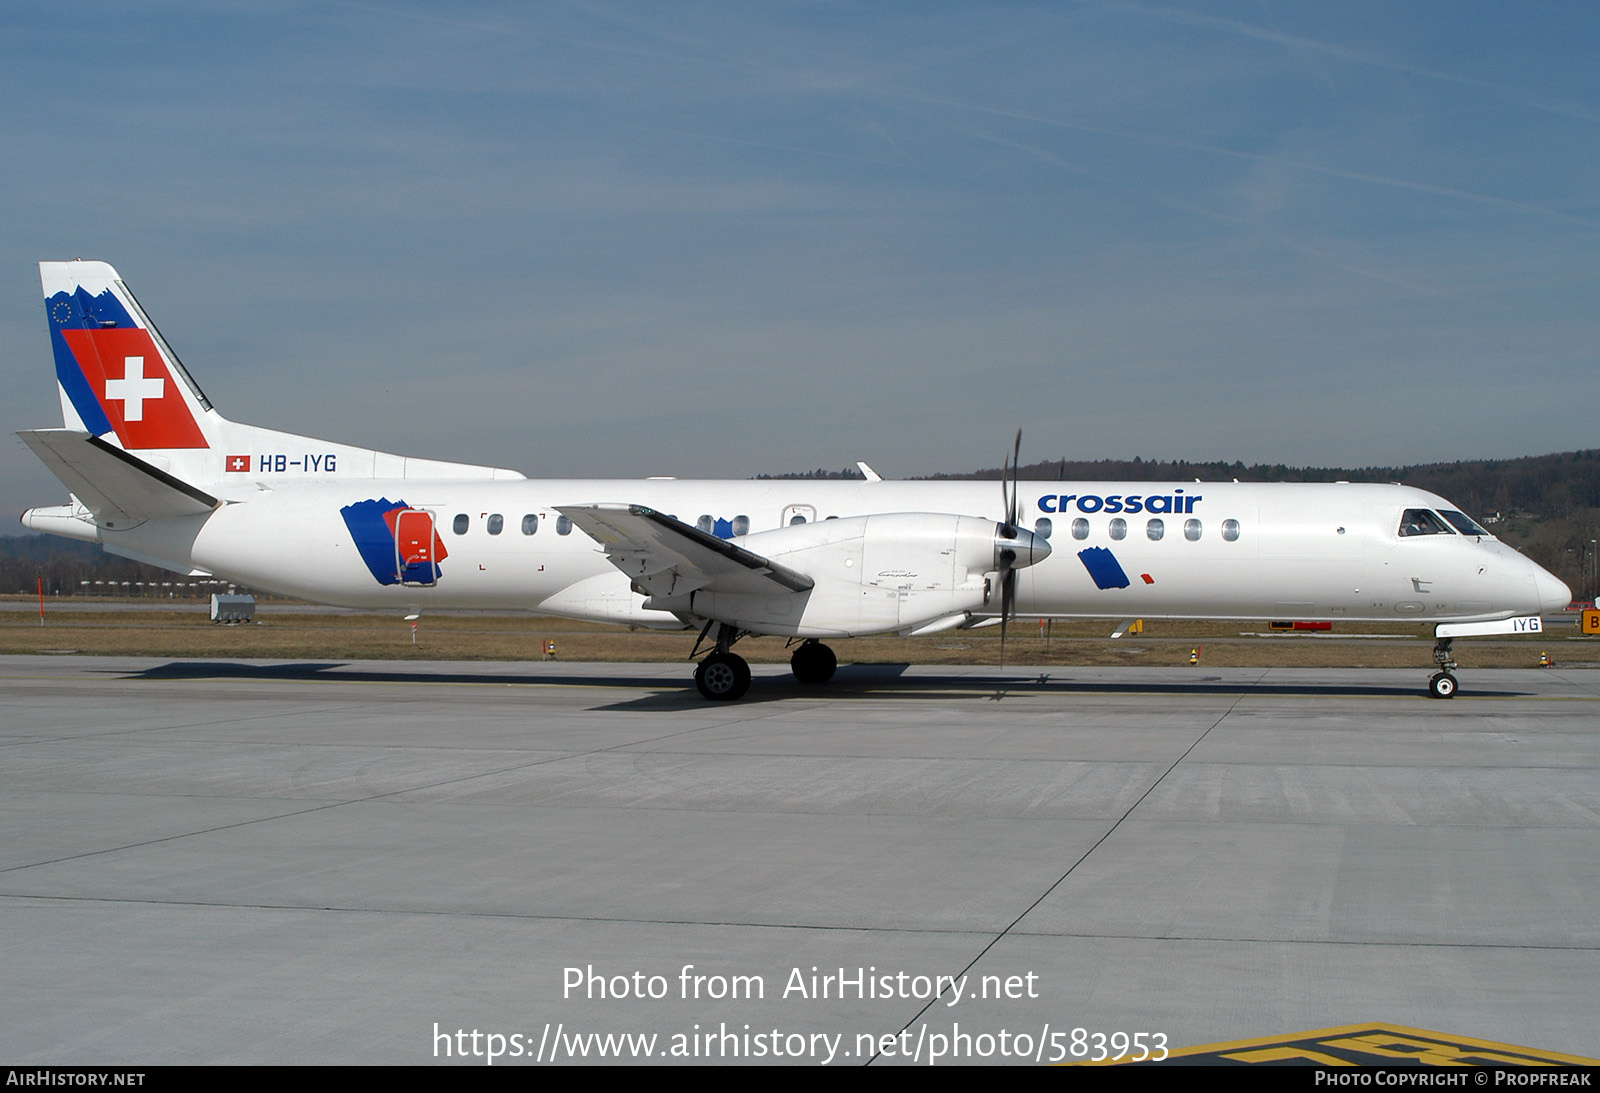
1234	550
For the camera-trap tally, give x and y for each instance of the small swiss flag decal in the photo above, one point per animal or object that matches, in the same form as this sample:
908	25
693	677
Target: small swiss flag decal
238	463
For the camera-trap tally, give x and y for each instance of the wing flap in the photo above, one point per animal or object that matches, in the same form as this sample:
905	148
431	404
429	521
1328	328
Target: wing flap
666	557
111	483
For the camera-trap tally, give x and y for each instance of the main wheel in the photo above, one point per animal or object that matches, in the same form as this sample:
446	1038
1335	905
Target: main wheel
1442	685
722	677
813	663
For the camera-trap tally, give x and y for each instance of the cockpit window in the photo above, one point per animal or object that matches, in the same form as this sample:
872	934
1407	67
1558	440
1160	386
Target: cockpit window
1463	523
1422	522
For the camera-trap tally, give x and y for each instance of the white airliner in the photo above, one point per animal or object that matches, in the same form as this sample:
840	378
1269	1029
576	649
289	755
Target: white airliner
156	474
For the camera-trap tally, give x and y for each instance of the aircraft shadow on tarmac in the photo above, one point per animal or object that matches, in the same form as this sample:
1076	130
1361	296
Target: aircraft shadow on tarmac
877	682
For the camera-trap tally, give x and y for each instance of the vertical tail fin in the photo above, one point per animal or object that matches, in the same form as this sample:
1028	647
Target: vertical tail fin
118	378
121	383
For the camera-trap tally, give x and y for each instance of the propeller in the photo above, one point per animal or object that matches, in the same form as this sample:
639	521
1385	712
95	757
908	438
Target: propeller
1007	556
1014	547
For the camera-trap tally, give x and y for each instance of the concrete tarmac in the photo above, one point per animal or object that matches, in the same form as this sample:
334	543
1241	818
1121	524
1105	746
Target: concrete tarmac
354	862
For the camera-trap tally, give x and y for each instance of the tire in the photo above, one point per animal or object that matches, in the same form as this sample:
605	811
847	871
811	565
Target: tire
722	677
1442	685
813	663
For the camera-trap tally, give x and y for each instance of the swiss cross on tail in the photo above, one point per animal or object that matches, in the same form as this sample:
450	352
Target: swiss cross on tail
238	463
126	374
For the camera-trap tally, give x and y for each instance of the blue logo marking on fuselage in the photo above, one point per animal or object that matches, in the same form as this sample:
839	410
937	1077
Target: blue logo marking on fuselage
1175	502
373	538
1104	568
375	529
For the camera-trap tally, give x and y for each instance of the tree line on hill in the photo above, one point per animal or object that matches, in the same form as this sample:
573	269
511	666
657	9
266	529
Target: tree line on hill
64	565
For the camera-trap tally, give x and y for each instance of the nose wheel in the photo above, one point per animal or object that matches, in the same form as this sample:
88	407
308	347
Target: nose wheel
722	677
1442	684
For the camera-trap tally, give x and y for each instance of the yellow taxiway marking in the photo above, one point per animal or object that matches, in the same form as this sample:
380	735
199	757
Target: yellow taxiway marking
1375	1045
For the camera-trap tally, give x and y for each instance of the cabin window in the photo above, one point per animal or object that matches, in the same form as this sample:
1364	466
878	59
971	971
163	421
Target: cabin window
459	526
1230	531
741	525
1422	522
705	524
1463	523
530	524
1043	526
497	524
1191	530
1080	528
797	518
563	526
1155	529
1118	528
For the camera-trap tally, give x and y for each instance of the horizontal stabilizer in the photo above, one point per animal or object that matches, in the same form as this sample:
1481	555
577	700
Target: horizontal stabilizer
666	557
117	487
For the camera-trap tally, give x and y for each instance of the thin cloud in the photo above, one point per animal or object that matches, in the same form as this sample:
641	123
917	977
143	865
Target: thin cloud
1161	141
1182	17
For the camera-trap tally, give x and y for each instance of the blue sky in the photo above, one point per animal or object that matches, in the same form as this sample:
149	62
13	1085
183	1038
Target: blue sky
725	239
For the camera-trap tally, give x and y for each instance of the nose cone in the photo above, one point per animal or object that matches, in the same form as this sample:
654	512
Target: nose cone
1020	550
1038	547
1554	595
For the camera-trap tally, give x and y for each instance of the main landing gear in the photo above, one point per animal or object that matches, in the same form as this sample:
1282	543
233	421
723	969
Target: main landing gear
1443	683
813	662
724	676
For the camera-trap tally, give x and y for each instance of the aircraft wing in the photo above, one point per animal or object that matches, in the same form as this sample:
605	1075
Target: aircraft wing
112	483
666	557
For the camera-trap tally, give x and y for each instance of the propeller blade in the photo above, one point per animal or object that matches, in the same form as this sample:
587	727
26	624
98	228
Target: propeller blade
1008	593
1008	572
1011	499
1005	494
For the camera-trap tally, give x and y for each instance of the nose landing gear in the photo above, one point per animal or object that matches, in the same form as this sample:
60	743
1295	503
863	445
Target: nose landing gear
1442	684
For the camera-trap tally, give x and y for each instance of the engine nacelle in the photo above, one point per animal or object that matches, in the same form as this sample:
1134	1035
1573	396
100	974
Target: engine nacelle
873	574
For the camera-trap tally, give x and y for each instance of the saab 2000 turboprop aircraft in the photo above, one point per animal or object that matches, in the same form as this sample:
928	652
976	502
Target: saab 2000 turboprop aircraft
158	475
